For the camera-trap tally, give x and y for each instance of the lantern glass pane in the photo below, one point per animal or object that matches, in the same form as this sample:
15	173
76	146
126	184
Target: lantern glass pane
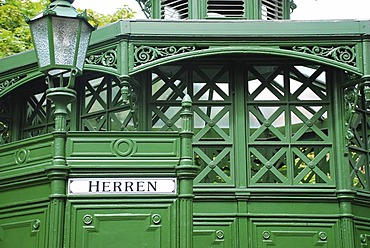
39	29
65	31
84	42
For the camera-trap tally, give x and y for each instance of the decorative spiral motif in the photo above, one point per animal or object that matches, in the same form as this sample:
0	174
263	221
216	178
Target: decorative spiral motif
343	54
107	58
145	54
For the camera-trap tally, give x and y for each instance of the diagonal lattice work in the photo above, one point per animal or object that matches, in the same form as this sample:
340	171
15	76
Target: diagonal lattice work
278	114
288	138
38	117
102	108
210	89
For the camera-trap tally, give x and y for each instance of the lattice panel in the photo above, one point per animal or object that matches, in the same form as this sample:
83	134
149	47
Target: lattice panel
288	133
269	164
287	120
311	165
210	89
102	107
214	163
358	161
39	116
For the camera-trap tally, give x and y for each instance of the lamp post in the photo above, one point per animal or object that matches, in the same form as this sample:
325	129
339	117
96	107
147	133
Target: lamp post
61	36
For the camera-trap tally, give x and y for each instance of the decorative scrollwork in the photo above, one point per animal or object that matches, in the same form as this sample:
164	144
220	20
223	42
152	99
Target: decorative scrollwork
145	54
343	54
351	98
4	133
8	83
107	58
130	97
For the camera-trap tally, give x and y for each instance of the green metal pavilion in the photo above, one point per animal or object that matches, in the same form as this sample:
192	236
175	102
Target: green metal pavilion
214	123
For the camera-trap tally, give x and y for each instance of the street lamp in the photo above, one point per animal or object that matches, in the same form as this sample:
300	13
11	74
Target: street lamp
61	36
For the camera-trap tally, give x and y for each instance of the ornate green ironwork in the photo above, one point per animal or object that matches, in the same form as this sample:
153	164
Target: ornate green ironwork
145	54
129	96
107	58
4	133
213	138
357	129
343	54
300	122
351	98
7	83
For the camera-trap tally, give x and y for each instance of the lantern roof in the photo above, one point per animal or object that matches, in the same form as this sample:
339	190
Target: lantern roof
62	8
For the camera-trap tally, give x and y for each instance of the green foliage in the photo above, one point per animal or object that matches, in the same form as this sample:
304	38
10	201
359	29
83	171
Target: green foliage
15	36
100	20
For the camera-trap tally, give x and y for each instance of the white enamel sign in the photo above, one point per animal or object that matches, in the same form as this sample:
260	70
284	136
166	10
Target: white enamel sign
83	186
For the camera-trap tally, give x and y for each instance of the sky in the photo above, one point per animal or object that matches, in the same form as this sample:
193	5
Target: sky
307	9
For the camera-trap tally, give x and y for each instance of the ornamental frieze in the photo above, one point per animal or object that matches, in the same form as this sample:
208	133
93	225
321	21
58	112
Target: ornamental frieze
7	83
343	54
146	54
107	59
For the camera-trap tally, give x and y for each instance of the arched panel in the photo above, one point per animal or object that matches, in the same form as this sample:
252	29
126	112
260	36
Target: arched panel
341	57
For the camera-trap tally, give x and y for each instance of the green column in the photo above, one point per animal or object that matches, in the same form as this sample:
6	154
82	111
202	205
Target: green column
345	194
58	171
156	9
186	171
194	9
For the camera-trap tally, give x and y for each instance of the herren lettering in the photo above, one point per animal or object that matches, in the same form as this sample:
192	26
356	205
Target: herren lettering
122	186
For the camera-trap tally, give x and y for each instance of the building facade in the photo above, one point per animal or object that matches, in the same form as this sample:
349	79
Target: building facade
211	124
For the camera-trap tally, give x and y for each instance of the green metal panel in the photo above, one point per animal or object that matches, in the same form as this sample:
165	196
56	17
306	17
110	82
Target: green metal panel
296	233
140	224
215	232
26	230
